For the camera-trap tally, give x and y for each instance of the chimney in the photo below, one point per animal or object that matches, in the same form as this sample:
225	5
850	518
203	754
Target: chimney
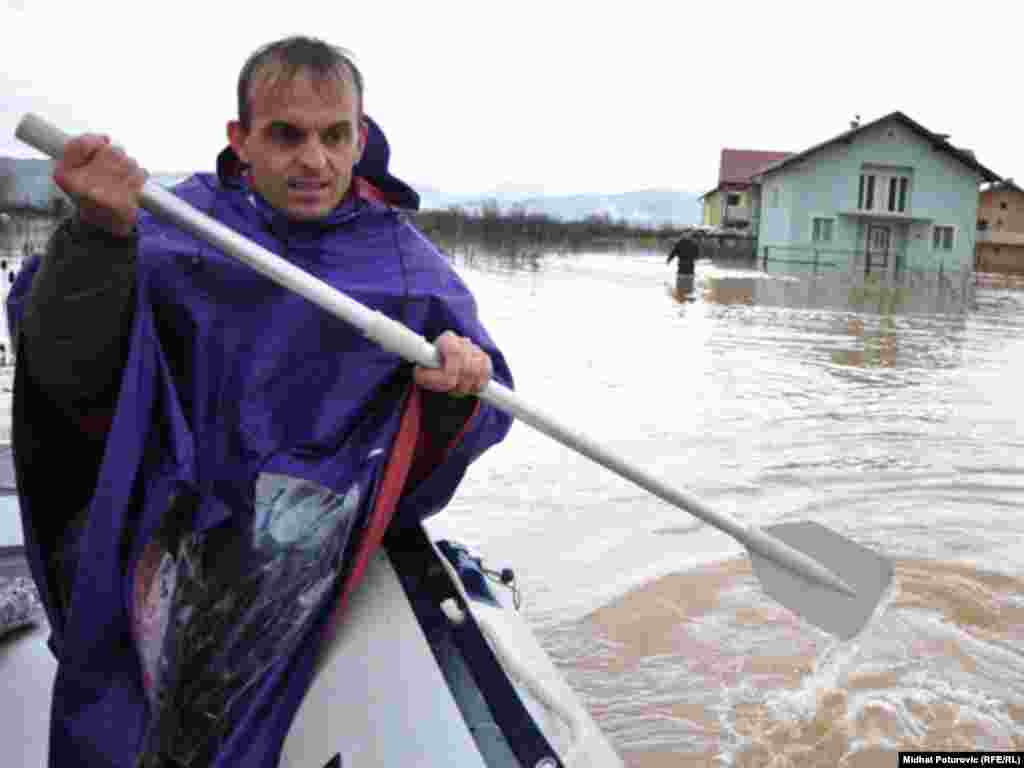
855	123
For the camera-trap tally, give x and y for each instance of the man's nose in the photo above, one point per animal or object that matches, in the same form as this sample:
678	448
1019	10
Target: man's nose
313	154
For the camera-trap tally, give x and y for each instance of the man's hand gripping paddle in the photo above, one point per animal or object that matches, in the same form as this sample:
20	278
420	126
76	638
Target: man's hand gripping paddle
787	558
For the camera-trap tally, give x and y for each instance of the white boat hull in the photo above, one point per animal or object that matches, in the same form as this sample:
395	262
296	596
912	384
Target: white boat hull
379	698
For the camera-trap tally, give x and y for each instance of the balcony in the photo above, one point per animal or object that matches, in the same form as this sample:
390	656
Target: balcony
1000	237
736	215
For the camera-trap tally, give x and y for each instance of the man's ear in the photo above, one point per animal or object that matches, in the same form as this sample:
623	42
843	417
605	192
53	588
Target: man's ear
237	136
363	134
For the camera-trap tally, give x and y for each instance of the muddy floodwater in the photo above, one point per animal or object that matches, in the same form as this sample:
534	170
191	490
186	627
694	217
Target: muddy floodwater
887	411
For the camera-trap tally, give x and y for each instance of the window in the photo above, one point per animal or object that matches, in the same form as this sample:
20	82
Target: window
883	192
867	193
942	238
1003	205
822	232
732	199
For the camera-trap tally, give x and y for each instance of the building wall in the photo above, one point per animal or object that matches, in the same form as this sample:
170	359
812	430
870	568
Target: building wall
999	257
755	209
1000	245
714	205
712	209
1002	209
827	183
739	213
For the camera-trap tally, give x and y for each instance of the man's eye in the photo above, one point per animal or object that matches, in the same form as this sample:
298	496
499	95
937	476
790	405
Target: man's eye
286	134
334	136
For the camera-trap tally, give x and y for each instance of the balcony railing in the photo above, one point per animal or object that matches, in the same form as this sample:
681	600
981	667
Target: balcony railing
736	213
896	216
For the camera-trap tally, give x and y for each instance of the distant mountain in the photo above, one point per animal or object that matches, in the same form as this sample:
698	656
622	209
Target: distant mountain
651	207
512	193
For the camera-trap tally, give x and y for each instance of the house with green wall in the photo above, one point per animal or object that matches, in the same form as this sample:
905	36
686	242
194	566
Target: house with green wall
888	195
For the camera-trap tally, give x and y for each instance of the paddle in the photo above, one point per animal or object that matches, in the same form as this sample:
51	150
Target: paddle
787	558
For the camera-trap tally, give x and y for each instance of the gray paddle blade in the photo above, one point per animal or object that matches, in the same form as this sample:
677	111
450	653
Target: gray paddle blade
867	572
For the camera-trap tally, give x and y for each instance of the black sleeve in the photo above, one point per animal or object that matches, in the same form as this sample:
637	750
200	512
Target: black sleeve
445	416
78	316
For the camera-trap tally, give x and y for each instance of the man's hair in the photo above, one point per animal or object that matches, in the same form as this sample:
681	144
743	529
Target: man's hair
291	56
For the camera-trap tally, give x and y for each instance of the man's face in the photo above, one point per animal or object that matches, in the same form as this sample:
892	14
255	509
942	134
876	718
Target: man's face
304	138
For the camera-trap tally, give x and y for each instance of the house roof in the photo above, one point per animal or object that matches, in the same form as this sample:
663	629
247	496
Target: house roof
938	140
738	166
1003	185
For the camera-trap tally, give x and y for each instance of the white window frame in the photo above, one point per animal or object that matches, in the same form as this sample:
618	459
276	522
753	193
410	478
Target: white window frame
881	191
819	217
936	228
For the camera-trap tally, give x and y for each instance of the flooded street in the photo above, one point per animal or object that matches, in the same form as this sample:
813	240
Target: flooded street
888	413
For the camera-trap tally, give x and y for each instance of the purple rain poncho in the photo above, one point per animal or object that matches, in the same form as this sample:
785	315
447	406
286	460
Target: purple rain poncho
248	447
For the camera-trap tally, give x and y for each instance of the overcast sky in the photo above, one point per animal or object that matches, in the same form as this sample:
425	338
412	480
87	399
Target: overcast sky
566	96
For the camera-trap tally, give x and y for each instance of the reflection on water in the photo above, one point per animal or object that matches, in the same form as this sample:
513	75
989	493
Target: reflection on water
886	409
905	293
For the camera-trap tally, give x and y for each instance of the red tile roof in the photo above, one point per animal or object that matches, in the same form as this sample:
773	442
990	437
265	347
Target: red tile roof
738	165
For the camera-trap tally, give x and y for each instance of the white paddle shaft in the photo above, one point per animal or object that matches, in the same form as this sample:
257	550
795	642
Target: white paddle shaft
398	339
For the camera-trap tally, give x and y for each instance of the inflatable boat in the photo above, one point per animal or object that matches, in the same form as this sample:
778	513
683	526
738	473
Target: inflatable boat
432	666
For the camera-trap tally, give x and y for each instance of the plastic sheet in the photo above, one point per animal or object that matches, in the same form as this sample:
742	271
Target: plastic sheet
224	606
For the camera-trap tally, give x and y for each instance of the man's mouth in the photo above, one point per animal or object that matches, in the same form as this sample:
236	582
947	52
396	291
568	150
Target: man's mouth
307	185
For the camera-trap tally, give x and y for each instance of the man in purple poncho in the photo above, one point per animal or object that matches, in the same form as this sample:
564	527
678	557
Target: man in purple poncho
205	461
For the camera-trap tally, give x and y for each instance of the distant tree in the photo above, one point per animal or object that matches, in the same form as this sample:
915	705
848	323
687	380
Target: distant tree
490	214
7	187
489	209
516	233
598	224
